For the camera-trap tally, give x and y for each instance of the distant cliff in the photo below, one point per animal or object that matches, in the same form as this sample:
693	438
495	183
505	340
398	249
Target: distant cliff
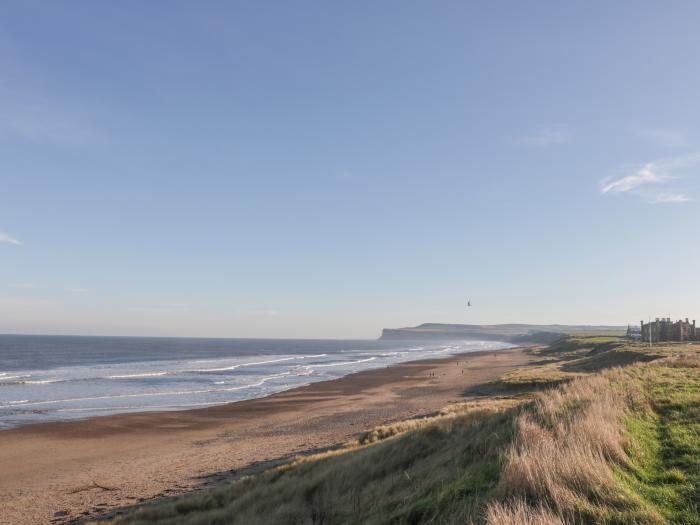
514	333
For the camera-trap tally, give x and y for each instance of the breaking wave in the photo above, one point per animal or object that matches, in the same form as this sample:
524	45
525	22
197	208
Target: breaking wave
99	388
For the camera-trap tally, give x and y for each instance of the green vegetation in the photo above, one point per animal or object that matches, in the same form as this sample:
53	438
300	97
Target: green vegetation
444	469
616	442
665	458
575	356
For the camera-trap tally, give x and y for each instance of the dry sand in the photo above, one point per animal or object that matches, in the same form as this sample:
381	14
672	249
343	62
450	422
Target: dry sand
59	472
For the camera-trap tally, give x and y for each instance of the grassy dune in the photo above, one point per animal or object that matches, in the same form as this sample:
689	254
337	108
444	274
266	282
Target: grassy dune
613	437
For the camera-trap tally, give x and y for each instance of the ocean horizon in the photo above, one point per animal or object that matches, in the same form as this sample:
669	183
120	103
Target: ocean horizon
47	378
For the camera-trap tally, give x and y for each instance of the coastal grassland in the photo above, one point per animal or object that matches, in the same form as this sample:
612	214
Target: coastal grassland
616	441
442	469
575	356
664	465
620	447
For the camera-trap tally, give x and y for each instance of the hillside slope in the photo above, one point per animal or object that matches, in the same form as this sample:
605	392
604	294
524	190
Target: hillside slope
609	444
516	333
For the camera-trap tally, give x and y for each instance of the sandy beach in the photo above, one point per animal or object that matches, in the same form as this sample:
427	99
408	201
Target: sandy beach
62	472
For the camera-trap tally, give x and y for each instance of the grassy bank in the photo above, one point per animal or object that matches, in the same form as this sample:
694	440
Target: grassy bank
665	453
615	440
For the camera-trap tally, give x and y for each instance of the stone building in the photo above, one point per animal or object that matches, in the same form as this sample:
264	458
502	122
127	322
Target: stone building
665	330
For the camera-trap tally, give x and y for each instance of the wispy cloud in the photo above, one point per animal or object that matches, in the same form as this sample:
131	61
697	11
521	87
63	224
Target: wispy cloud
647	174
20	302
652	173
8	239
546	137
76	289
34	286
264	312
160	309
30	111
668	138
24	286
670	198
42	123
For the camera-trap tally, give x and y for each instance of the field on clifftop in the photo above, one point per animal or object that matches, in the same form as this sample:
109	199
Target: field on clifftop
598	431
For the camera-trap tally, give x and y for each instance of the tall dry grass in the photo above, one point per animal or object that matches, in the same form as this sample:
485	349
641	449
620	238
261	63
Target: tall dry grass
518	513
444	419
563	452
684	361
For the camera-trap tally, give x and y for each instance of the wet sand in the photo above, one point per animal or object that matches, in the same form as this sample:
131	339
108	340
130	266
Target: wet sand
59	472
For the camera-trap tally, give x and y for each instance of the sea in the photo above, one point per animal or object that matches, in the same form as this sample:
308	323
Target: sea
55	378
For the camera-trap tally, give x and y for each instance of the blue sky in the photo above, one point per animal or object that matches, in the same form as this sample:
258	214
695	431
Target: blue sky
326	169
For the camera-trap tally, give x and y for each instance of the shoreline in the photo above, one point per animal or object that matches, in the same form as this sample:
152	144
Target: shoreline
57	472
47	407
